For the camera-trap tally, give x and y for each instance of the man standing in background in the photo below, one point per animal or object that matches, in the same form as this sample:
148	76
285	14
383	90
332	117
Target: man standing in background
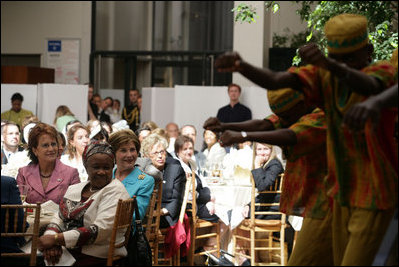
234	111
92	108
131	113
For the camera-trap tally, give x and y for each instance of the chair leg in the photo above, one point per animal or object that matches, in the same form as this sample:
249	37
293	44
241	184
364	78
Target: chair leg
156	251
282	241
252	247
192	247
218	238
270	246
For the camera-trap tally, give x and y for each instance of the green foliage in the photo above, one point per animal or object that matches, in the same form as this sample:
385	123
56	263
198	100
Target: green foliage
289	39
272	5
245	13
381	16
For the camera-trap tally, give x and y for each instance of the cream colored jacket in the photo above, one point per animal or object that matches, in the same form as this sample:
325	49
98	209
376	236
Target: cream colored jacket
101	212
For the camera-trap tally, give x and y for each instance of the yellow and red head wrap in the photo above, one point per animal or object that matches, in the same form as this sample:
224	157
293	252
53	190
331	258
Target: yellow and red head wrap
346	33
283	99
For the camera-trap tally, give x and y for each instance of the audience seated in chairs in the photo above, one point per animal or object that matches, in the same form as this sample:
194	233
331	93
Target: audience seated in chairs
85	219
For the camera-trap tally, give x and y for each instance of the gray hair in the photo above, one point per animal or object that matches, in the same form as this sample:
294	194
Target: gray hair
150	141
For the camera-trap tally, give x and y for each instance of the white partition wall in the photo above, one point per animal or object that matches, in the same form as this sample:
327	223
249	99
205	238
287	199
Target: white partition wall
50	96
158	105
195	104
28	91
256	99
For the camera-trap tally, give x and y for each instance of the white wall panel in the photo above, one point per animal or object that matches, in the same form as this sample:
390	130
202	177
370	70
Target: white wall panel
50	96
158	105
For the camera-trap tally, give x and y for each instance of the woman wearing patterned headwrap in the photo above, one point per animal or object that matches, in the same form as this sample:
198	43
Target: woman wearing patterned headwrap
86	215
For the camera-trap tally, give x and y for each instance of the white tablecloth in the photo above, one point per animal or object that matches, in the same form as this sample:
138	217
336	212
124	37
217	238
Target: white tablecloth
230	197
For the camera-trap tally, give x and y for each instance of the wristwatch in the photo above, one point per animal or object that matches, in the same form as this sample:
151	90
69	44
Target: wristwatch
244	134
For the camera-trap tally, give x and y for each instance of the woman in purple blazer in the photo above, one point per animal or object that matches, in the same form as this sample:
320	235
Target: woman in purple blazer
46	176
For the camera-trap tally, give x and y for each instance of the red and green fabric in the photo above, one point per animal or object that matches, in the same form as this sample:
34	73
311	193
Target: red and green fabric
362	166
303	192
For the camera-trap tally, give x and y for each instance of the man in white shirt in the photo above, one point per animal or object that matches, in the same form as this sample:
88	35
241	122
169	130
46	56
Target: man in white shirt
10	137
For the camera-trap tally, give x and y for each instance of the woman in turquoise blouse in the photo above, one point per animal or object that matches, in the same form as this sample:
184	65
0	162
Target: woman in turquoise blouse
137	183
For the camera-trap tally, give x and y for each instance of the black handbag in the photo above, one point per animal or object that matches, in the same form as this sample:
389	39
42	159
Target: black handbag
222	261
138	247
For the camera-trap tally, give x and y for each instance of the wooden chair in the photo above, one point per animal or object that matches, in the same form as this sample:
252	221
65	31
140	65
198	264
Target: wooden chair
123	221
198	224
267	227
11	218
175	260
152	220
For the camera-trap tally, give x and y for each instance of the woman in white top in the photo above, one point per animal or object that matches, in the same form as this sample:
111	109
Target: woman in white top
78	138
214	153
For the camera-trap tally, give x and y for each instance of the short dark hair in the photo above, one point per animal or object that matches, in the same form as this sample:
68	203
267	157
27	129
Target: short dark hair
17	96
180	141
110	98
234	85
119	138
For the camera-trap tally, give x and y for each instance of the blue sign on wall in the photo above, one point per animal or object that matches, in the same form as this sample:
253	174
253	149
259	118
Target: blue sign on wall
54	46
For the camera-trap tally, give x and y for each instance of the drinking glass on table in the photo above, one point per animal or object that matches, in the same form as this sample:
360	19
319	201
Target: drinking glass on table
23	190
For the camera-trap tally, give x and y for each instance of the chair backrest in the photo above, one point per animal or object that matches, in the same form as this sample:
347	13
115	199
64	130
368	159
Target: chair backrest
273	189
123	220
15	226
191	188
153	214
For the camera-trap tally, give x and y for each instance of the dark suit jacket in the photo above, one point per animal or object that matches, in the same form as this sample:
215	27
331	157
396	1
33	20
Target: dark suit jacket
204	196
174	182
4	159
10	195
265	177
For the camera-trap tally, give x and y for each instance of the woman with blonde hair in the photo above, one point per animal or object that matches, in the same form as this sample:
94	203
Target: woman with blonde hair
266	169
77	139
63	115
174	178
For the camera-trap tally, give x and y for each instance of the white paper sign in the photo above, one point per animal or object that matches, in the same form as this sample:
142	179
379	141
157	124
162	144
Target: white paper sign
63	56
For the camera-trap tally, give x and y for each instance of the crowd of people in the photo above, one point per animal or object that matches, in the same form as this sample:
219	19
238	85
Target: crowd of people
334	119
